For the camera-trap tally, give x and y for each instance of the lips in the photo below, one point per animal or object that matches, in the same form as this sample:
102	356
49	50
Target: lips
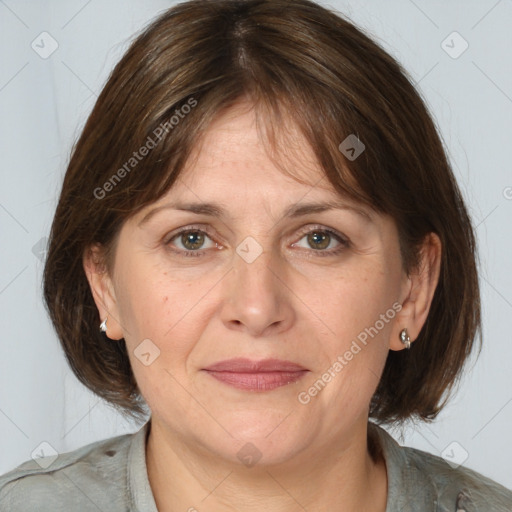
241	365
254	375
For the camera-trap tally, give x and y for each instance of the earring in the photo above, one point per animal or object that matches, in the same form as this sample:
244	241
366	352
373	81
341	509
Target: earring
404	338
103	325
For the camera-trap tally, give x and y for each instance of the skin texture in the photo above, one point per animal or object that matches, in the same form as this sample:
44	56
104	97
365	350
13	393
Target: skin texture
295	301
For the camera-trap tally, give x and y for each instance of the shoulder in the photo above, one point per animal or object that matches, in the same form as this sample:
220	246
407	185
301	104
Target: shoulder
430	483
468	490
92	477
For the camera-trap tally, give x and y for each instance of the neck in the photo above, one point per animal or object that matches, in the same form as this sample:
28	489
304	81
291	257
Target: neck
343	477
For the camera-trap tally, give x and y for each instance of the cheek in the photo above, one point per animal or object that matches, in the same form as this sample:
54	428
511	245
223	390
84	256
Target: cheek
356	300
143	295
154	305
358	309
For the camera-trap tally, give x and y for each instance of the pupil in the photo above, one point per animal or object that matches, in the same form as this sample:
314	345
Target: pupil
193	240
320	240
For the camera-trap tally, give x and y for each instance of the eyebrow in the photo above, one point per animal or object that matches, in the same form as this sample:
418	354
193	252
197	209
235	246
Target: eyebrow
293	211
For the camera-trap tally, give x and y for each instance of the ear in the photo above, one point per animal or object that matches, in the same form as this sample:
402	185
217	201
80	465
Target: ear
102	290
418	291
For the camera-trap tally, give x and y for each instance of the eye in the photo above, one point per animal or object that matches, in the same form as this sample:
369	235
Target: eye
191	242
322	240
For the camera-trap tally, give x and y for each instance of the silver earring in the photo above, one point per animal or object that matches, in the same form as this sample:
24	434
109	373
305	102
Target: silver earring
103	325
405	339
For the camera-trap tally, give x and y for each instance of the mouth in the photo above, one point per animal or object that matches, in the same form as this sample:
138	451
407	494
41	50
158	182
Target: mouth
253	375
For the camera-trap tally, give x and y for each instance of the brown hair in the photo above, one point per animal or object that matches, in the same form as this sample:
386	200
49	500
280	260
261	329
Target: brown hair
291	58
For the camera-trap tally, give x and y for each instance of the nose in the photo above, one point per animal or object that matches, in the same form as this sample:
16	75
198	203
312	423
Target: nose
256	297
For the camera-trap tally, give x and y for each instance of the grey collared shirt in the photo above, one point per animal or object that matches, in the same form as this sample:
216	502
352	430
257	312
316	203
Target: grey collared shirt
111	476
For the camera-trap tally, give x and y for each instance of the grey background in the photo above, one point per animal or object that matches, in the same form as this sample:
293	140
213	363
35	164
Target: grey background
44	103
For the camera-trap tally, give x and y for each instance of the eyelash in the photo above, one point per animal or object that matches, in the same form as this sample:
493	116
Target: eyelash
344	243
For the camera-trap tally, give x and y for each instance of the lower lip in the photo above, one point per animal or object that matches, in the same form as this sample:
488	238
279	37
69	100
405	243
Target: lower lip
264	381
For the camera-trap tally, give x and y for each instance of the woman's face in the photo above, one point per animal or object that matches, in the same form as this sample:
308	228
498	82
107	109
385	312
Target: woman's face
268	269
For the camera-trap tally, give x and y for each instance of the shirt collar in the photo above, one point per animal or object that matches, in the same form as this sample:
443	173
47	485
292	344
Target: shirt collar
408	487
140	491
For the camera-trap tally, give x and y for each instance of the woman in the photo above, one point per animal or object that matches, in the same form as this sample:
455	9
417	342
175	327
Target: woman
258	243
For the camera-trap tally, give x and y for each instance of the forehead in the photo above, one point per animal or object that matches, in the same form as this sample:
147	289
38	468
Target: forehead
243	143
231	170
235	166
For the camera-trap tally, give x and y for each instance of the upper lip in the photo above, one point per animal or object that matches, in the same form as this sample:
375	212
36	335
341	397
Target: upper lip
243	365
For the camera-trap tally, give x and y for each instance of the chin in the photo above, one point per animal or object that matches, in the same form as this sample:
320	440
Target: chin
267	440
